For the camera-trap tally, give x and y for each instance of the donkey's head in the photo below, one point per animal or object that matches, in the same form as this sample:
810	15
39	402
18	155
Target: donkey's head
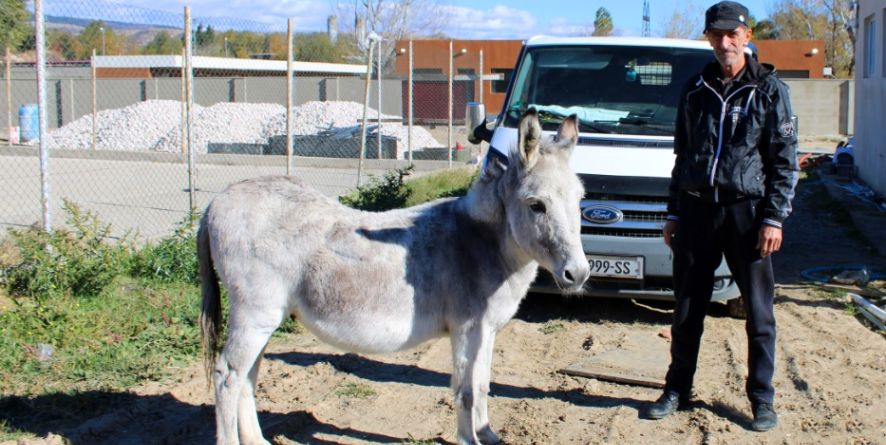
542	196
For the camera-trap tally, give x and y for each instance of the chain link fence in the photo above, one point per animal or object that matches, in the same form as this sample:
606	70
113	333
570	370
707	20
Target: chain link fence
142	125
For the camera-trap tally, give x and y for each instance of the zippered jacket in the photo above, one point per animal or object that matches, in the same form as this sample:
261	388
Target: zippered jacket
736	143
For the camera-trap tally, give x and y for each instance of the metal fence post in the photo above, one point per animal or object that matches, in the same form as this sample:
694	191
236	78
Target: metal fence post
94	102
9	95
41	103
449	111
289	82
409	102
378	88
365	106
189	87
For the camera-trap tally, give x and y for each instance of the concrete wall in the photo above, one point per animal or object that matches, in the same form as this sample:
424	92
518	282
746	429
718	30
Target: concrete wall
70	97
824	107
870	105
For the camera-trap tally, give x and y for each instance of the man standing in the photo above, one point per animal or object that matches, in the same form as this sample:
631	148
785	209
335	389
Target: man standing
730	192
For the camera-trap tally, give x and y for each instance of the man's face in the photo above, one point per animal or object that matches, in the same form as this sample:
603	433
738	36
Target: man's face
729	45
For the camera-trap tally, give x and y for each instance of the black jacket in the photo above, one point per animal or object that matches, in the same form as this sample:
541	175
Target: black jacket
736	141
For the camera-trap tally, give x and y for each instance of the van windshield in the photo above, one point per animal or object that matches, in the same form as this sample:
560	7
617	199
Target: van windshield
613	89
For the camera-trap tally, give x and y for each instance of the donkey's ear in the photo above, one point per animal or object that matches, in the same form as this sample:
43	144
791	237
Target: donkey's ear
530	136
567	134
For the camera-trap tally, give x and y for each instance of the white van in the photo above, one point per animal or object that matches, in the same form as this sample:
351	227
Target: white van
625	92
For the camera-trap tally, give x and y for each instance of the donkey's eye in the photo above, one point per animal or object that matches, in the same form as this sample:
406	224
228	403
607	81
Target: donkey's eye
537	206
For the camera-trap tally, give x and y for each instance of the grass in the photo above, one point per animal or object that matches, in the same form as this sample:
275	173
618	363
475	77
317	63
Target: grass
131	332
413	441
353	390
552	327
393	190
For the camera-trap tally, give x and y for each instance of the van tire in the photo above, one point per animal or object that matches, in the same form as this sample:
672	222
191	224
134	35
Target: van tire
736	308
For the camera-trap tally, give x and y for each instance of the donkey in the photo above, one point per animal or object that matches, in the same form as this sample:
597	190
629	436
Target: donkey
382	282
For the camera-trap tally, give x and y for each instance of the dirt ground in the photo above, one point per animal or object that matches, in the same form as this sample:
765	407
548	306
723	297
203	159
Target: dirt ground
830	376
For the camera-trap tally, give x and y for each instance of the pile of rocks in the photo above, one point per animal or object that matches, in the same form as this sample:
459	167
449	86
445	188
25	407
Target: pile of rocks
155	125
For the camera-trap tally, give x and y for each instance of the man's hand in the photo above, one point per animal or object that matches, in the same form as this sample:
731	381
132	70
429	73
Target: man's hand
669	231
769	240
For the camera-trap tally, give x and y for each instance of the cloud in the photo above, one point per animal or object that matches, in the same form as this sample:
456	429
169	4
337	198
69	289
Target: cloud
499	22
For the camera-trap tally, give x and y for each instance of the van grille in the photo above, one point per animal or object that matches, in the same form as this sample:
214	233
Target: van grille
643	217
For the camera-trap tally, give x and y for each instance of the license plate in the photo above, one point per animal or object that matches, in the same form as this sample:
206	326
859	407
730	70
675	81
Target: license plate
616	266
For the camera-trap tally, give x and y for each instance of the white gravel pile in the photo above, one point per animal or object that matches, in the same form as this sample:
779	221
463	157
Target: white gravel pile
224	123
346	117
133	128
155	125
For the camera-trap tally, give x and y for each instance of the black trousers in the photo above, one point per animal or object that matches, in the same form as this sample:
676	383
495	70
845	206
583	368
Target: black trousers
706	232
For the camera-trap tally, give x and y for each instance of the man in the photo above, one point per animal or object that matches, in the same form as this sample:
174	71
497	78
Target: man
731	190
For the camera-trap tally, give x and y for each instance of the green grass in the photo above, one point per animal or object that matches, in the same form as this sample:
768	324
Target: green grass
396	190
355	391
552	327
131	332
413	441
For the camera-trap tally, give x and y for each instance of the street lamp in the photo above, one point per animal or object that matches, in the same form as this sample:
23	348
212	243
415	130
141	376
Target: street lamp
226	46
102	30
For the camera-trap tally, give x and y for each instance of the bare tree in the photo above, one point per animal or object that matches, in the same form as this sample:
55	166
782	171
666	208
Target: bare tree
393	20
685	22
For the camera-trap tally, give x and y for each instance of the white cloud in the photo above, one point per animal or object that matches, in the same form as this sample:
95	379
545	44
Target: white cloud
499	22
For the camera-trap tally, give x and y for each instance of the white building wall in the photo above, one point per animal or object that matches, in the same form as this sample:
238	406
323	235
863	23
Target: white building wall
870	97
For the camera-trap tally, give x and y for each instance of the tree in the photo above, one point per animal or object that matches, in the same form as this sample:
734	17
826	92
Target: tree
827	20
62	43
392	20
765	30
163	43
101	37
603	23
14	28
685	22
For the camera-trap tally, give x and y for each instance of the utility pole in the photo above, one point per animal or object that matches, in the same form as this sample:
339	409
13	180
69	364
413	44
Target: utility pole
646	19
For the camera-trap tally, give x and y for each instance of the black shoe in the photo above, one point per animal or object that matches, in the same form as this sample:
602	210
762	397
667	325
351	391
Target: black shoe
765	418
666	405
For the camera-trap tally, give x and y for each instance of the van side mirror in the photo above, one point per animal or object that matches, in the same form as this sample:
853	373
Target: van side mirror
475	123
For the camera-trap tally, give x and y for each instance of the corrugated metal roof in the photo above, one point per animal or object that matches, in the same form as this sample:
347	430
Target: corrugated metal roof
225	63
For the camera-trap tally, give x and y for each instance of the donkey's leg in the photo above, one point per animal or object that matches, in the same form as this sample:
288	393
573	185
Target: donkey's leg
465	351
484	373
235	371
250	431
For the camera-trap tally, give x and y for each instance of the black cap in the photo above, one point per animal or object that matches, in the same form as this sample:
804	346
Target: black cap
725	16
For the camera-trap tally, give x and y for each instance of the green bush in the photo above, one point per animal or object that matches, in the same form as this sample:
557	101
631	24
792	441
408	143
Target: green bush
382	194
392	191
78	262
172	259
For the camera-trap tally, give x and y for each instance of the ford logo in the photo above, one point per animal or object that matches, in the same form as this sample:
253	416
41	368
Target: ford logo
602	214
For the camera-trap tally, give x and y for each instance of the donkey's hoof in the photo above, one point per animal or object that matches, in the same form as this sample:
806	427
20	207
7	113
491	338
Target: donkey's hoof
487	436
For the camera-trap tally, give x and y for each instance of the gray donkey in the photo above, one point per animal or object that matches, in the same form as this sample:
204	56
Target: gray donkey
382	282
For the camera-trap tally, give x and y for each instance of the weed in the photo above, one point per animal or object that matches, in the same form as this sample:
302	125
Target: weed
552	327
355	390
413	441
380	194
79	262
172	259
394	192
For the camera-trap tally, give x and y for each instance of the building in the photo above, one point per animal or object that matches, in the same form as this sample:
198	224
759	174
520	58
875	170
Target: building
170	66
870	94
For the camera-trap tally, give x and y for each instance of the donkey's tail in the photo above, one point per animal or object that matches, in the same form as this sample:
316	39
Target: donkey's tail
211	312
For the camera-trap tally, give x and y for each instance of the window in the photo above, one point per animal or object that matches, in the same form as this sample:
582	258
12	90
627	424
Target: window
870	35
501	86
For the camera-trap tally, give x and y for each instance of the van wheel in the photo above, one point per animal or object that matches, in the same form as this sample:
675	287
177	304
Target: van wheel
736	308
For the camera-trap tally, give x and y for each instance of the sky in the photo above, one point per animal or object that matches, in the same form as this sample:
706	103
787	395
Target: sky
467	19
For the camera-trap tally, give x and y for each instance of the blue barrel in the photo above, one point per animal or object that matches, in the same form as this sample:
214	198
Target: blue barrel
29	122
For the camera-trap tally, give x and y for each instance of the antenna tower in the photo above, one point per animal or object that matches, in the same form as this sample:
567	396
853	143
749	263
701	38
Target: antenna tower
646	20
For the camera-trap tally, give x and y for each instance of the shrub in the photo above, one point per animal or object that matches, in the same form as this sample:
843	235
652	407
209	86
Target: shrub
78	262
392	191
172	259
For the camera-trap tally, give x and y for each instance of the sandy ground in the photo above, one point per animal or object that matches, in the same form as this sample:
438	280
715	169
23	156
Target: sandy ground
830	376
